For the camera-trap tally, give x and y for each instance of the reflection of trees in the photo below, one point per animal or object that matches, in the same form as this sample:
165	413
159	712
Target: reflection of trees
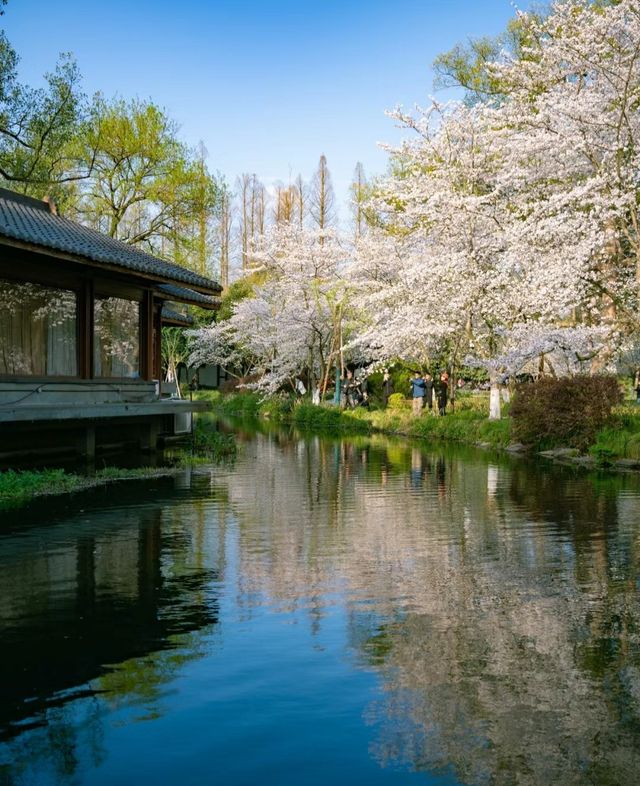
116	337
498	602
108	611
37	330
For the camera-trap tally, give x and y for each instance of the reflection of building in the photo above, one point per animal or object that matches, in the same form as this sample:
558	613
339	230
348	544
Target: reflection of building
79	599
80	328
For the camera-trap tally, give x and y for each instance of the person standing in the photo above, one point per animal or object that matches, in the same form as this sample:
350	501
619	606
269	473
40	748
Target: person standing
351	390
363	390
443	393
417	393
636	384
428	388
387	388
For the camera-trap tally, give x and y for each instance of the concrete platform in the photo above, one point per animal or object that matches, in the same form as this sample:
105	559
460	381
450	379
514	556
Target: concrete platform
21	413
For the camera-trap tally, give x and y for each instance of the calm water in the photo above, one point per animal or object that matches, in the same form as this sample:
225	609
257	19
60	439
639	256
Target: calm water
326	612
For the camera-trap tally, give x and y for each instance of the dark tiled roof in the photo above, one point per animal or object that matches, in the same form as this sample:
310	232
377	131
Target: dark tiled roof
183	295
169	315
30	221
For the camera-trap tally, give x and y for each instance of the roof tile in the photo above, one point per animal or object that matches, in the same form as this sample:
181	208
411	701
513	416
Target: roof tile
25	220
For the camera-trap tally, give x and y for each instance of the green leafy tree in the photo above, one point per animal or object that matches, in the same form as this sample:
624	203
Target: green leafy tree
39	128
467	65
146	187
241	289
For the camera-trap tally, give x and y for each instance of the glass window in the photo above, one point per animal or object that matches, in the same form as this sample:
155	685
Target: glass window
38	333
116	337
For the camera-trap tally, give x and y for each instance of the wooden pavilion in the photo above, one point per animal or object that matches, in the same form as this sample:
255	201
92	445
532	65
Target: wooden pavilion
80	330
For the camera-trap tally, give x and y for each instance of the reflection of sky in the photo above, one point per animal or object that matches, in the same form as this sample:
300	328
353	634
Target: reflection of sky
478	624
268	86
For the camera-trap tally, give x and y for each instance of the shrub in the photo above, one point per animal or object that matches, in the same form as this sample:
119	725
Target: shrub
397	401
567	411
329	417
472	402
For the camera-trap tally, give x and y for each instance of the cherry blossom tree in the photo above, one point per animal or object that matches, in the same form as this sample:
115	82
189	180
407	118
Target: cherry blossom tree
293	325
570	125
448	273
509	228
505	233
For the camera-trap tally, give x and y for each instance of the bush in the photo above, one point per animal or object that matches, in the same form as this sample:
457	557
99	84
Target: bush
568	411
466	401
397	401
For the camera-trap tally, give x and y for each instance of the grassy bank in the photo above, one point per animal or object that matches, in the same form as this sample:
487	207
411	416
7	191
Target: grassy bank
618	440
17	487
468	424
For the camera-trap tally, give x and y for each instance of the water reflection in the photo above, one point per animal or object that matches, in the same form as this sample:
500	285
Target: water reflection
103	604
494	600
498	601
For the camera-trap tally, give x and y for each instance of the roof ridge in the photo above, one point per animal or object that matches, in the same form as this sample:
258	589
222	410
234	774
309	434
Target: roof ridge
23	199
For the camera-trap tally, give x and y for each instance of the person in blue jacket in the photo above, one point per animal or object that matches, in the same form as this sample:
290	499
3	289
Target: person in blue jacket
418	391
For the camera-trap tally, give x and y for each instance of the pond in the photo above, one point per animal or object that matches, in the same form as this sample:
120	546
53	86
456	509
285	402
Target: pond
326	611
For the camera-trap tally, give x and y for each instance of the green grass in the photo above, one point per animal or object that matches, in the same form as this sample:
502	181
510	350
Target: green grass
468	424
620	438
330	418
17	487
210	443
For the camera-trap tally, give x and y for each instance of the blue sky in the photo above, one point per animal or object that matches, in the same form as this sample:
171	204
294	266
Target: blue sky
267	86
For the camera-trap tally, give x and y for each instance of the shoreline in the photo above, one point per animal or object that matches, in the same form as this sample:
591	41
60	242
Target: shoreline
466	426
19	487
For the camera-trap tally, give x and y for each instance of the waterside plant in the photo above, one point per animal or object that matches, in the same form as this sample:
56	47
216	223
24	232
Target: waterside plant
208	446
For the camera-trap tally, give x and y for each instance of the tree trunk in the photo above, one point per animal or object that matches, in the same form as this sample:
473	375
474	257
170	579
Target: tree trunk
494	398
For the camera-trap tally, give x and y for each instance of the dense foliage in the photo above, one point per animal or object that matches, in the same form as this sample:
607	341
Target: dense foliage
568	411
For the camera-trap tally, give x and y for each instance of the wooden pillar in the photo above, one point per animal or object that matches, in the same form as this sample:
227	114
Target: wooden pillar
86	444
149	434
157	342
146	336
85	330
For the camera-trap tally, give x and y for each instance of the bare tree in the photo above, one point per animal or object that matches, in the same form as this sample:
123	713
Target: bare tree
252	210
224	235
301	200
321	196
358	196
286	204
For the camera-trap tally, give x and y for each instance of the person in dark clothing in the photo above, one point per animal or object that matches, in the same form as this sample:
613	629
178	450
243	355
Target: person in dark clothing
417	393
387	387
428	387
363	391
351	390
443	393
